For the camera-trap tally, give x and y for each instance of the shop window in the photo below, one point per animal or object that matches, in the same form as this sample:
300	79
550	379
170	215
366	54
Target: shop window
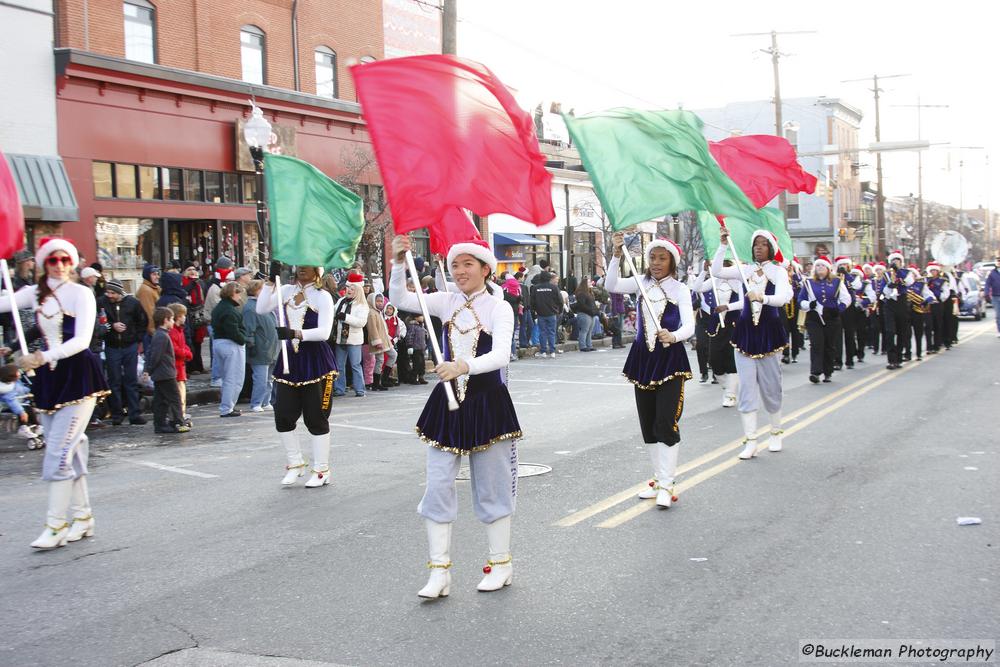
213	187
251	253
231	188
192	185
252	53
125	181
125	244
103	185
229	241
421	244
792	206
249	188
172	183
149	183
326	72
140	31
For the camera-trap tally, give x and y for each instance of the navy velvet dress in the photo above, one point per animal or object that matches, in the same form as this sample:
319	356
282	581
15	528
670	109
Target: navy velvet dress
647	369
74	378
312	362
765	338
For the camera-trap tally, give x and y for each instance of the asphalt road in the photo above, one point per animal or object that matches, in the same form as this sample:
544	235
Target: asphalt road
201	558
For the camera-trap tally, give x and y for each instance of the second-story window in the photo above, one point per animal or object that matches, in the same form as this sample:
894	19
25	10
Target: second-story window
326	72
140	31
252	53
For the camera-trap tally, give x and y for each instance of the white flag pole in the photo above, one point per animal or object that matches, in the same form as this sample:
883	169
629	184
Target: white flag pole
281	322
435	347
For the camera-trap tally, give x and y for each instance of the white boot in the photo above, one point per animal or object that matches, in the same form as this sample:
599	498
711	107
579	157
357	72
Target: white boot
774	442
295	464
83	518
749	420
321	461
654	456
729	381
56	528
439	545
499	569
668	468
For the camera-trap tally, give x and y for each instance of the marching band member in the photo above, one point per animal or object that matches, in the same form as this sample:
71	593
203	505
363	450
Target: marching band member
939	287
759	335
842	269
477	334
895	304
919	300
721	353
950	307
68	382
306	389
657	364
796	341
824	298
854	317
875	273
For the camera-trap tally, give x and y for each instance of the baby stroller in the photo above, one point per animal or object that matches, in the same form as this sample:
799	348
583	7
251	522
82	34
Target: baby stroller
9	422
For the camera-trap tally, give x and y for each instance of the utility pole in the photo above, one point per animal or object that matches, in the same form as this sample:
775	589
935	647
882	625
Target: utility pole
779	129
881	233
449	27
921	228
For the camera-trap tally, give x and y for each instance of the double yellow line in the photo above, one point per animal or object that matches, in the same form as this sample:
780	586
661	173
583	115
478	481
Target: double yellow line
853	391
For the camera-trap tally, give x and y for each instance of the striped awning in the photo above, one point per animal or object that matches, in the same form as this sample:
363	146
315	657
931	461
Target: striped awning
44	187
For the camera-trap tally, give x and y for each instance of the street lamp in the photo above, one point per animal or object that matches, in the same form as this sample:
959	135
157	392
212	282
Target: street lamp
257	133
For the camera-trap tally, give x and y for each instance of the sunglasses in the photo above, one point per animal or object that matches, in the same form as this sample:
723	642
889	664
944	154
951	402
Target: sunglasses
56	261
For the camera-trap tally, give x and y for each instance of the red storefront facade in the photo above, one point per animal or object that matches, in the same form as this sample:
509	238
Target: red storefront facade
151	154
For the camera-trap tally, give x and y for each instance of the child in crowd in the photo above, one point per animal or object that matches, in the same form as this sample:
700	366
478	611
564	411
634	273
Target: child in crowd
182	354
162	370
416	342
11	392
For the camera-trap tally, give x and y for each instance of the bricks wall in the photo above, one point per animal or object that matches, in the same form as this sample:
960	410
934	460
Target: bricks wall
204	35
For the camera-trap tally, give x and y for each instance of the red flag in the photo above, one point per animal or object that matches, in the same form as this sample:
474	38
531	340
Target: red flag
762	165
448	134
454	227
11	214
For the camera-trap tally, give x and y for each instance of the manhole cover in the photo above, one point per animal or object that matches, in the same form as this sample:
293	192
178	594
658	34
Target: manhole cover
523	470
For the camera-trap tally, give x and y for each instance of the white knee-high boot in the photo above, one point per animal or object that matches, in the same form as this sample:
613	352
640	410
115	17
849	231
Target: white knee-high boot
56	527
321	461
654	456
83	517
729	381
294	463
499	569
749	420
774	442
439	546
667	470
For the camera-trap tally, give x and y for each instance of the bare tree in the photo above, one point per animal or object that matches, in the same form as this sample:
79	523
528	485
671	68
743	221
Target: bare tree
361	177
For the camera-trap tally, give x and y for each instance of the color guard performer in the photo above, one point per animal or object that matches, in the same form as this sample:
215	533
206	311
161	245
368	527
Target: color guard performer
477	334
68	381
657	362
721	354
306	389
759	335
824	298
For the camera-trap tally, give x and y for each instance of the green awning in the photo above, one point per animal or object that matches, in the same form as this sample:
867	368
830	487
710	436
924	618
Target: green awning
44	187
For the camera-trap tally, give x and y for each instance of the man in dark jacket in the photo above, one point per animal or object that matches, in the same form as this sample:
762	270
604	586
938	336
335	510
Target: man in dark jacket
126	326
172	290
546	301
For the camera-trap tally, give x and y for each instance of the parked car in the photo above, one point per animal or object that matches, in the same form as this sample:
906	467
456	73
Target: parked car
973	304
983	269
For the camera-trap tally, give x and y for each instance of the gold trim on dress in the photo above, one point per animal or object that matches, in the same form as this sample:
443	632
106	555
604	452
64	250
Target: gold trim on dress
334	374
760	356
479	448
95	395
655	383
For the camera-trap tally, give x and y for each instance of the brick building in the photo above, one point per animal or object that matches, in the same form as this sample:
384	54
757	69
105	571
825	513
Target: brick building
150	103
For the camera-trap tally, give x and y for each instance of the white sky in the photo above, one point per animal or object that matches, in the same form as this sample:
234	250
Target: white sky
595	54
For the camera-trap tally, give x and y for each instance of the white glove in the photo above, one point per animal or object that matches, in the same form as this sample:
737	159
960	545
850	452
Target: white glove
819	309
804	305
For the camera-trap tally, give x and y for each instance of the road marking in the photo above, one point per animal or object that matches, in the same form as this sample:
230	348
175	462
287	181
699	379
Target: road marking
878	377
538	364
526	403
600	384
160	466
369	428
645	506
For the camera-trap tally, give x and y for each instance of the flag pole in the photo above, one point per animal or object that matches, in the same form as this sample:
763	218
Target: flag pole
9	284
281	322
444	277
638	281
438	357
739	267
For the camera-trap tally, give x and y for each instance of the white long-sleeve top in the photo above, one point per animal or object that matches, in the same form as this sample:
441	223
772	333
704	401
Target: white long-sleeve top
494	316
675	291
774	273
316	299
444	285
72	299
702	284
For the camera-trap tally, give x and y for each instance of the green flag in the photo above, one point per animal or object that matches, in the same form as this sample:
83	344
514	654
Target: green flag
647	164
741	229
315	221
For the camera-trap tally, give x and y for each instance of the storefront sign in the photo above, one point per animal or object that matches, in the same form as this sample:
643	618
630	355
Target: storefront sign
282	143
510	253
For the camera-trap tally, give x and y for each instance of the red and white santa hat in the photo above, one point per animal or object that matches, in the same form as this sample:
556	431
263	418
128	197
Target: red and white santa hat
355	278
223	275
667	245
50	244
858	270
933	266
773	240
867	266
894	255
879	266
915	270
822	260
477	248
841	259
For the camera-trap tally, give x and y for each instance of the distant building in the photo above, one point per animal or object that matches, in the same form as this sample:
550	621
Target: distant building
411	28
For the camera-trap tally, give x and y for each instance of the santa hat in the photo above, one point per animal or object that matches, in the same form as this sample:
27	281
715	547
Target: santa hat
223	275
50	244
773	240
933	266
895	254
868	266
667	245
822	260
477	248
915	270
879	265
858	270
355	278
842	259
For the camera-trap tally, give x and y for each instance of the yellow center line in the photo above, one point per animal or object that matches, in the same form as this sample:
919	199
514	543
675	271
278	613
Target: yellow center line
645	506
618	498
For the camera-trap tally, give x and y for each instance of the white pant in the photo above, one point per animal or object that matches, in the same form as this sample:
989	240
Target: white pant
494	483
66	444
760	382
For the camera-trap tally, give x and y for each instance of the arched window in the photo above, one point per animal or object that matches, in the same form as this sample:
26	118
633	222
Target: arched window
252	54
326	72
140	31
